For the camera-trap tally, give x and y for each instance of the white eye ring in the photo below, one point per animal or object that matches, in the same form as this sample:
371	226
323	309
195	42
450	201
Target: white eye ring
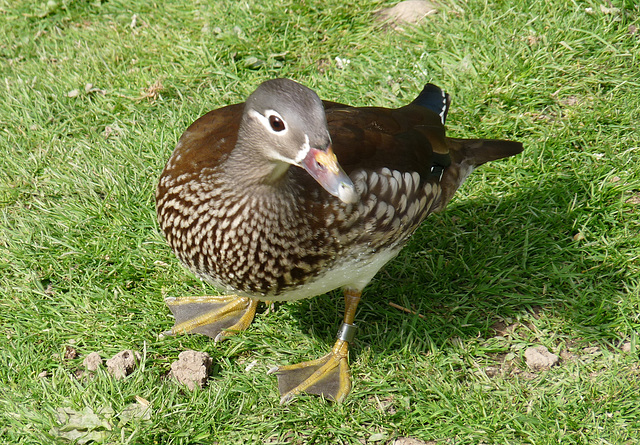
272	121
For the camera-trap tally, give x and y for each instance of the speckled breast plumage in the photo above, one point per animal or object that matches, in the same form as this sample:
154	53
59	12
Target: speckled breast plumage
290	242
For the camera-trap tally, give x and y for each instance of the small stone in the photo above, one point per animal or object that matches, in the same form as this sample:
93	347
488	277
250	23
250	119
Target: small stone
250	366
626	346
191	368
539	358
122	364
73	93
92	362
43	374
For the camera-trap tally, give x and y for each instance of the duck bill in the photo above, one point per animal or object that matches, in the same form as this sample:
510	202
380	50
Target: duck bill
324	168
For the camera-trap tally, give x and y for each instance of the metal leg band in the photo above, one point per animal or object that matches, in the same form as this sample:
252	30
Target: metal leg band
347	332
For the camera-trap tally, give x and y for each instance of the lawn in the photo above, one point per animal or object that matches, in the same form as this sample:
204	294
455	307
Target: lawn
539	250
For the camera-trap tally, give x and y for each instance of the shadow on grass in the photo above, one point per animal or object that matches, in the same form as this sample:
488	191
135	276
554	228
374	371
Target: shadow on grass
483	261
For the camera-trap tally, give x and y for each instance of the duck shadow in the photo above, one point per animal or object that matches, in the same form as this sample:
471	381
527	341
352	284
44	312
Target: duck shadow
481	263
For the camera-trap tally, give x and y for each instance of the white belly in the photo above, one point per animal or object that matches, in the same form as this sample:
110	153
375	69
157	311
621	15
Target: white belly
354	274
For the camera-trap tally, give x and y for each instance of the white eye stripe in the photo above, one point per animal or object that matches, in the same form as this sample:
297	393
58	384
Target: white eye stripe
264	120
304	150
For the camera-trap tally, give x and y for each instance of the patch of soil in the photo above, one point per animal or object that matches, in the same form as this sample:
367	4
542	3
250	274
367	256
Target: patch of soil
191	368
92	362
123	363
540	359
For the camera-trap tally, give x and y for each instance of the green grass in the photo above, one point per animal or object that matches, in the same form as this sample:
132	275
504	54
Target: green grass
83	265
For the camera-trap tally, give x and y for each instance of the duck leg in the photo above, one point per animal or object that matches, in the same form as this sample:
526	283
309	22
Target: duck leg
216	317
328	376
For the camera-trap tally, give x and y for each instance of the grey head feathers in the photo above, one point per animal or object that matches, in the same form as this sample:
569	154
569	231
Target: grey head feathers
285	119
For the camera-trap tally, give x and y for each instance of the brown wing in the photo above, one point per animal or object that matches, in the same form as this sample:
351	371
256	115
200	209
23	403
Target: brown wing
208	140
410	138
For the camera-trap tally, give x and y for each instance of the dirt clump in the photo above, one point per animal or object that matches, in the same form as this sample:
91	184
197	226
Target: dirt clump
92	362
540	359
191	368
123	363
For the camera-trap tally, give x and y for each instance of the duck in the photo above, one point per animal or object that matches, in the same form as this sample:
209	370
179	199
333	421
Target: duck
286	197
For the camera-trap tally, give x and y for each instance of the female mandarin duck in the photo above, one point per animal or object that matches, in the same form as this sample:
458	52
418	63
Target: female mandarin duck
287	197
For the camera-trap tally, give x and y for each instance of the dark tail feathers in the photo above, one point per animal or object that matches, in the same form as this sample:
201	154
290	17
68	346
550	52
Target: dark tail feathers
479	151
434	99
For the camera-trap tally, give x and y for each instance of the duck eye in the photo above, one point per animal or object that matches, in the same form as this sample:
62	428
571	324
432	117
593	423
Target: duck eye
276	123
